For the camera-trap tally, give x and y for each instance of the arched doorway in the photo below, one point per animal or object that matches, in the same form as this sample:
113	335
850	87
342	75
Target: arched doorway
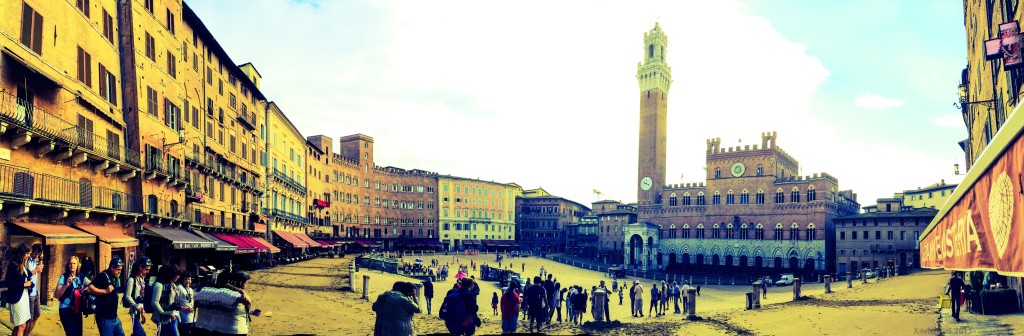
809	265
728	261
778	262
793	262
744	261
636	249
903	260
686	258
715	260
672	259
660	258
700	259
758	261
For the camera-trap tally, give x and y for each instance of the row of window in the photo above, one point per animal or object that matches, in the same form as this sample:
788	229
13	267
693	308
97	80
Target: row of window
716	199
366	219
460	189
476	201
890	235
473	213
475	227
354	232
742	233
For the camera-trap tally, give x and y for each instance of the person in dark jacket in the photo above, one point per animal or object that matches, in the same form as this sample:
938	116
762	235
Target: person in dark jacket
395	309
465	324
19	282
428	293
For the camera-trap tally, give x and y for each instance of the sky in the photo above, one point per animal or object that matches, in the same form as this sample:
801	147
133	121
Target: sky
544	93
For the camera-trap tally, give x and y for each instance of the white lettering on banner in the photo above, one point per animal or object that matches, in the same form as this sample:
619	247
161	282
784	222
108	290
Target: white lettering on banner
959	239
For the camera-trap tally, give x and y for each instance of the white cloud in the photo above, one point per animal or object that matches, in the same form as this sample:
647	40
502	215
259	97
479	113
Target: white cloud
878	102
950	121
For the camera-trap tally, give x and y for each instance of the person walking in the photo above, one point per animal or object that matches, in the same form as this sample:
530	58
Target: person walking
133	298
664	298
509	310
655	297
638	298
549	288
35	266
186	300
536	298
460	309
71	280
607	298
954	288
764	288
164	301
19	282
395	309
526	304
494	303
428	293
104	287
675	296
620	294
224	308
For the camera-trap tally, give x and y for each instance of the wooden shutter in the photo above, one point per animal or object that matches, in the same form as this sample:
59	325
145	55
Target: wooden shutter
26	25
103	81
37	34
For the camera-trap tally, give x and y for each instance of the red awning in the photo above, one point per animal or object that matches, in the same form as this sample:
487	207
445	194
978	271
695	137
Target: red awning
292	240
56	234
367	243
305	238
244	245
269	247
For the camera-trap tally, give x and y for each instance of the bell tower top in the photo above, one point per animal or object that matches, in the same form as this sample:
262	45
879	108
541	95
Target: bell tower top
653	73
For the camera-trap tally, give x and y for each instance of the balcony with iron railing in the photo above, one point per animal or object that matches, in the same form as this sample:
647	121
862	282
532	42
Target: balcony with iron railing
63	134
248	120
160	207
288	180
19	183
289	216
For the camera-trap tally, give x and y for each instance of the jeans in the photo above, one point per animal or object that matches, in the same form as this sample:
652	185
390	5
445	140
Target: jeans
954	305
109	327
167	329
137	329
509	325
428	305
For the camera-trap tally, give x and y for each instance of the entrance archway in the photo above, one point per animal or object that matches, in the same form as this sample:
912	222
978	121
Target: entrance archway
728	260
686	258
636	249
715	259
672	259
743	261
778	262
809	265
700	259
758	261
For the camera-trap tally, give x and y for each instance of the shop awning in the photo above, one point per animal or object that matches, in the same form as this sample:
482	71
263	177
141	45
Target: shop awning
222	246
471	242
291	239
56	234
975	230
242	245
180	238
111	234
307	240
269	247
328	243
367	243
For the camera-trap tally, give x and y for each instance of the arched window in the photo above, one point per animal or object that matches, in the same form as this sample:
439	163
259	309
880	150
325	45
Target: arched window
760	170
686	198
716	199
672	231
718	173
744	231
728	232
673	200
853	252
794	232
842	253
700	198
794	196
730	198
715	231
686	230
700	231
778	231
760	196
759	232
810	232
744	197
650	51
779	196
811	194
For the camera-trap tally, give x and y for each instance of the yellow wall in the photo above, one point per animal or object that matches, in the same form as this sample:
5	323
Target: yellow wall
317	171
931	197
487	207
286	149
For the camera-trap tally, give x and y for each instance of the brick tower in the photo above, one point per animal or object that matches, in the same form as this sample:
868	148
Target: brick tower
655	78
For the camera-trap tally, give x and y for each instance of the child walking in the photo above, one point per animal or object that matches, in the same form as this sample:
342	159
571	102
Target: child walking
494	303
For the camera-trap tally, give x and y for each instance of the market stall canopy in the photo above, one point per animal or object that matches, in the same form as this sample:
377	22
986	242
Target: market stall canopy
367	243
222	246
307	240
291	239
111	234
975	229
269	247
180	238
56	234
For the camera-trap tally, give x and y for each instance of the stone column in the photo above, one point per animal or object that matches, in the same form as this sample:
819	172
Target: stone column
828	284
757	294
796	289
691	303
863	277
419	289
849	280
366	287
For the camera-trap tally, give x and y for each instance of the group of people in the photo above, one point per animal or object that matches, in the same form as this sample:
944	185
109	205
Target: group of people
170	300
660	298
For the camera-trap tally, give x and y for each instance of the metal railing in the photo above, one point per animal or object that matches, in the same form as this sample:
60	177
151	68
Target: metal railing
21	183
289	180
104	198
164	208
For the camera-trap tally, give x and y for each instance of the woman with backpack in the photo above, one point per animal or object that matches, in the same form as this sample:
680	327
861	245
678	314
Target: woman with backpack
67	284
164	301
134	296
459	309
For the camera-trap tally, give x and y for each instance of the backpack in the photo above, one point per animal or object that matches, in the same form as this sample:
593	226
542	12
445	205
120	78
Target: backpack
453	308
147	296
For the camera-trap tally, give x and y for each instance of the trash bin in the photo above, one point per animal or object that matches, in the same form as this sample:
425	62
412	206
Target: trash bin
750	300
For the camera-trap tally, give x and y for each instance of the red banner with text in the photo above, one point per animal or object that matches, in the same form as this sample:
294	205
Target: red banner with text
984	230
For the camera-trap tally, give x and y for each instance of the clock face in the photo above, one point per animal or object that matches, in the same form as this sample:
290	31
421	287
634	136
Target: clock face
646	183
737	169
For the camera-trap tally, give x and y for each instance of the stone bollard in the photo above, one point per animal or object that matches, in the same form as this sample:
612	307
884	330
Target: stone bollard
366	287
352	280
828	284
419	289
796	289
878	278
849	280
691	302
750	300
757	295
863	277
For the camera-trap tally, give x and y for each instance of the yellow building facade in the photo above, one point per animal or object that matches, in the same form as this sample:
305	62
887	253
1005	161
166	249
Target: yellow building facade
932	197
318	190
286	172
473	210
